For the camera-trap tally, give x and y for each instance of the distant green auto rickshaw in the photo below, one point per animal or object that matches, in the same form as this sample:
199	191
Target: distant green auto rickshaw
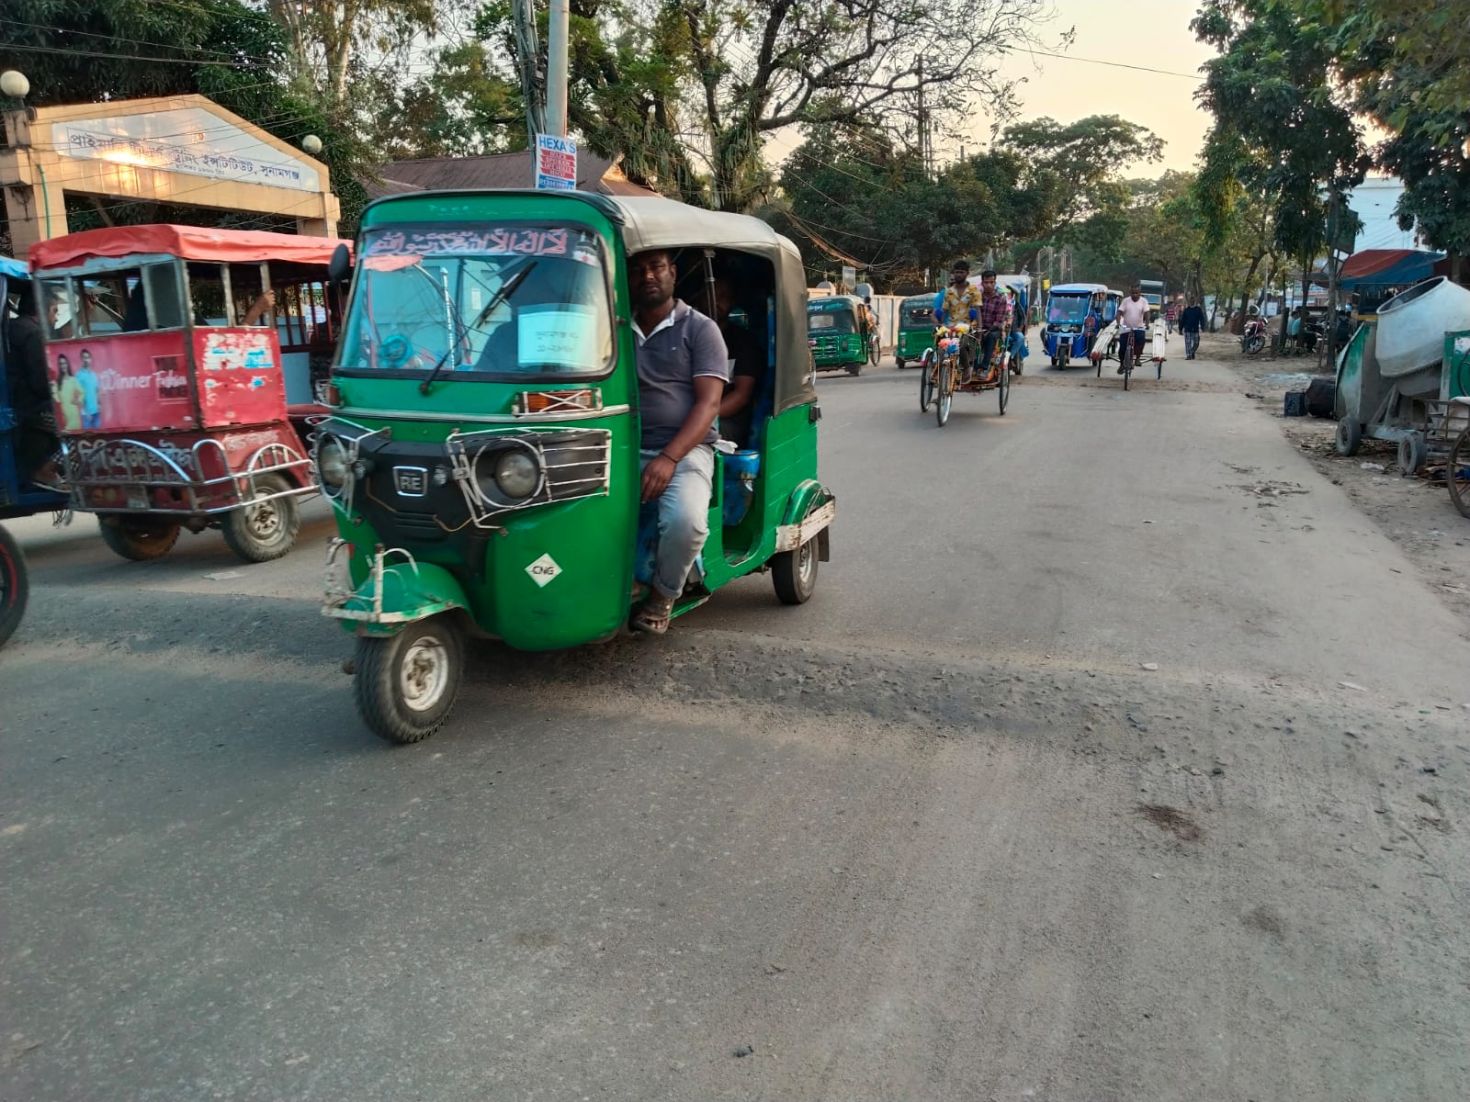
915	329
482	453
837	332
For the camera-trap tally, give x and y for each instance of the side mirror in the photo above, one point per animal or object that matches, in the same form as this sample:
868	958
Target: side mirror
339	268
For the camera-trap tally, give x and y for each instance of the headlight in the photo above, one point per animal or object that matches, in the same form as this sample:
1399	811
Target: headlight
331	464
516	474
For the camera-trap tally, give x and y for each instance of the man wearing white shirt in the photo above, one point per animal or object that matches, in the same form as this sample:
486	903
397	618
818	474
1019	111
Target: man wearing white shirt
1132	322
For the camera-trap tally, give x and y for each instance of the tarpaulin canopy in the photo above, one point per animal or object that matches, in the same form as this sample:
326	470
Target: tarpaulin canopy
1387	267
188	242
12	269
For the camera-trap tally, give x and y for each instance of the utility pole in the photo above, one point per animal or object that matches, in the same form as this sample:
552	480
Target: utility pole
926	147
557	39
528	53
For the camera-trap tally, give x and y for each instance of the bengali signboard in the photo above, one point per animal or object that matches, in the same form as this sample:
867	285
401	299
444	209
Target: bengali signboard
556	163
187	140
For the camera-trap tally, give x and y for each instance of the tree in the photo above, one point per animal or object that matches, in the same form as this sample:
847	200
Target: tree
331	42
1280	136
227	50
1403	66
689	90
463	106
1070	189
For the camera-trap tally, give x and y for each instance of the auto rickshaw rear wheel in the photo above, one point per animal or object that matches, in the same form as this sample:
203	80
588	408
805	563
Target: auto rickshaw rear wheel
405	684
266	530
794	573
139	539
14	585
898	362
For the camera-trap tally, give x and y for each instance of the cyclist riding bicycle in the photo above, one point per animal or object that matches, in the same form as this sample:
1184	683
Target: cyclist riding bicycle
958	303
1133	314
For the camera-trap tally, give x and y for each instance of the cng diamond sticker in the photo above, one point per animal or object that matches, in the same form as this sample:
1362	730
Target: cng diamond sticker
543	570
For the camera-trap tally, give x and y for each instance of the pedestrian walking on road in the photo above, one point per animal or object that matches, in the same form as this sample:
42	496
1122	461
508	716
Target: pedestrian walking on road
1190	324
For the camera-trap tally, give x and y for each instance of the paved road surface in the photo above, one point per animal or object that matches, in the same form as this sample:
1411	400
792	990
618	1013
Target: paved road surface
937	834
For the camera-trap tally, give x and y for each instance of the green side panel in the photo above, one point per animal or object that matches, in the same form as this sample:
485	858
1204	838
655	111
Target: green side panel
1457	356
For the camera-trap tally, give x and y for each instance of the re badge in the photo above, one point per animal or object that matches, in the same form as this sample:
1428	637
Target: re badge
543	570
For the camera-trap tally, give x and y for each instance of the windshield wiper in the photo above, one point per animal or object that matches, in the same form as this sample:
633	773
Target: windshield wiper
508	288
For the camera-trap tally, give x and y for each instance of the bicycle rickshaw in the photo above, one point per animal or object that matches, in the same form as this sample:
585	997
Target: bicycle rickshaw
173	371
1108	342
482	453
837	333
942	373
915	329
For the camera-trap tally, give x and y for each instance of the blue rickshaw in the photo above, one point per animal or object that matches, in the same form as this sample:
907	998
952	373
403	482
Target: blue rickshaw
18	497
1073	315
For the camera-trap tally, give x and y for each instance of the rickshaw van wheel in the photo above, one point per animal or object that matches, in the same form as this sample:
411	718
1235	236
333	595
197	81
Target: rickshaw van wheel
405	684
261	533
15	587
138	539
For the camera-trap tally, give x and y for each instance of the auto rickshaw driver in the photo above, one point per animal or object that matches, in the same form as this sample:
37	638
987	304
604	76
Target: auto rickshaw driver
682	372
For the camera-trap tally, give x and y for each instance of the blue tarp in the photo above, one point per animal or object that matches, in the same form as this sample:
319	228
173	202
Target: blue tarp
13	269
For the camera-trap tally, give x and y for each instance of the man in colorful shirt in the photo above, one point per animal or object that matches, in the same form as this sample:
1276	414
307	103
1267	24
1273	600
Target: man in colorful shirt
959	298
955	304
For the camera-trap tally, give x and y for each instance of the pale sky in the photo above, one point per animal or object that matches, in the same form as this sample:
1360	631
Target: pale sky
1152	33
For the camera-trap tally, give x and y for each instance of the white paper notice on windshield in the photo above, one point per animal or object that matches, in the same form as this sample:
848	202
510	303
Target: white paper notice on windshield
563	337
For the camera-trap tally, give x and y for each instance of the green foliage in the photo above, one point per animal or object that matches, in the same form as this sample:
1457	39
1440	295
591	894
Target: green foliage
1403	65
1042	183
1279	131
462	107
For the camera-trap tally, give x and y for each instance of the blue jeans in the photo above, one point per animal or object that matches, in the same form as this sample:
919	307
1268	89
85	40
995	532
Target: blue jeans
683	518
1191	342
92	420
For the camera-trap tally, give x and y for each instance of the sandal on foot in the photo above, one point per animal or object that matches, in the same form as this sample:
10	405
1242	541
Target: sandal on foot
653	615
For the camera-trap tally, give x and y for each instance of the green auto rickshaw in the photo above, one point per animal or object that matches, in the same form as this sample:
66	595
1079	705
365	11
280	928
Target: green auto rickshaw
482	452
837	332
915	329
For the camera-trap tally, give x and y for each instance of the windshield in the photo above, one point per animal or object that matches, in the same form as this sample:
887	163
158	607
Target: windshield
1067	309
919	313
835	317
491	299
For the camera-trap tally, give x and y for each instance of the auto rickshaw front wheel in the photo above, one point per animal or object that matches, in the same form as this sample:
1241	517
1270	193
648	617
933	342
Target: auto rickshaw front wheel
14	585
267	529
139	539
405	684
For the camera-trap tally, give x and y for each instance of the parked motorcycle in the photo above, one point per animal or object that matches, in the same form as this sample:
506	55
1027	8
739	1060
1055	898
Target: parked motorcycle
1253	336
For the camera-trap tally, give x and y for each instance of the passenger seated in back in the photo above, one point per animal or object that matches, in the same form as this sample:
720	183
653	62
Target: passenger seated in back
747	359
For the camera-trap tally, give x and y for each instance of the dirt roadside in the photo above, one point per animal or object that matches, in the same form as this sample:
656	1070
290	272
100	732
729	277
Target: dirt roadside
1415	513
